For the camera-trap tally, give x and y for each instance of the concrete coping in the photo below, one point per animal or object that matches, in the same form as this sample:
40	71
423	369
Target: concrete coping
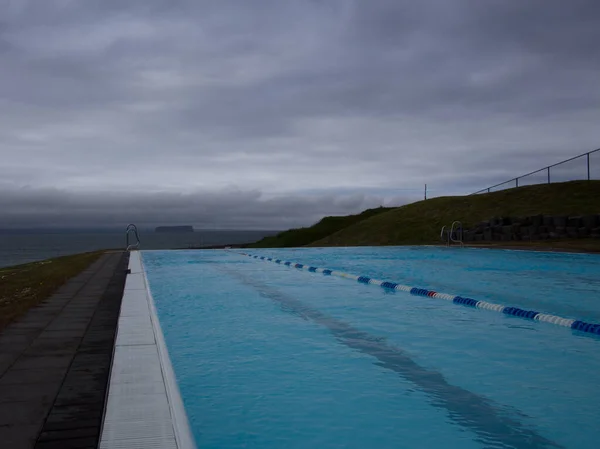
144	407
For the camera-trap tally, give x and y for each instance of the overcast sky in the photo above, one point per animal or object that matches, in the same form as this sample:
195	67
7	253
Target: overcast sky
273	113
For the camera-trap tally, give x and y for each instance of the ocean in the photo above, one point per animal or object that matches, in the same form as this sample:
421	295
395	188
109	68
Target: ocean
18	247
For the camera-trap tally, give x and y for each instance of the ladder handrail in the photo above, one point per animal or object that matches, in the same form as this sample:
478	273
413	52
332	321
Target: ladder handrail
452	231
136	245
447	239
450	234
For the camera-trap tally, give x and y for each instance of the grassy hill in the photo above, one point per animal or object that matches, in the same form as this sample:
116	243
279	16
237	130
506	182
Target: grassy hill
421	222
324	228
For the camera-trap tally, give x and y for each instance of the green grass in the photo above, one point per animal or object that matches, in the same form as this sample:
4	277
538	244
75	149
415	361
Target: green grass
24	286
421	222
325	227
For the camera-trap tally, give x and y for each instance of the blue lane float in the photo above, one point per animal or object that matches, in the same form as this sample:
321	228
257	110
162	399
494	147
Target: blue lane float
577	325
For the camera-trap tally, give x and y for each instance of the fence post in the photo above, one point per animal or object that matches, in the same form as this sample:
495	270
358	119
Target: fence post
548	175
588	164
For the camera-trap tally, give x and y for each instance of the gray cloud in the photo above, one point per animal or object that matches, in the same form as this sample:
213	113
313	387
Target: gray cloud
152	100
228	209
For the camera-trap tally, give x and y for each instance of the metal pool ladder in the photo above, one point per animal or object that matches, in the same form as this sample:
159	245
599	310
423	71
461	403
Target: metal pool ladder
454	235
132	228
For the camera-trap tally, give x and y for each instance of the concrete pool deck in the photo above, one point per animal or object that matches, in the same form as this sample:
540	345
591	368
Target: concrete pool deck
144	408
55	362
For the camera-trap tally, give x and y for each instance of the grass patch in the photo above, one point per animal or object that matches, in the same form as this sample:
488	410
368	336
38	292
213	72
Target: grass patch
24	286
325	227
421	222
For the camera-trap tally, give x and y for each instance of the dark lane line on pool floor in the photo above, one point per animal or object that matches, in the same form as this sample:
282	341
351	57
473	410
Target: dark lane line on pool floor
585	328
468	409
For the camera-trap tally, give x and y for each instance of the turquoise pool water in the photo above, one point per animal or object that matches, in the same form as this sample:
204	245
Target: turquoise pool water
268	356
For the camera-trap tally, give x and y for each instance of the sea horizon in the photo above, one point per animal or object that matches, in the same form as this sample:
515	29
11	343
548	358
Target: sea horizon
24	245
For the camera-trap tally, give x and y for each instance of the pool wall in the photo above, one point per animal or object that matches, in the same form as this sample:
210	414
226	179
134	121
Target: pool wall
144	407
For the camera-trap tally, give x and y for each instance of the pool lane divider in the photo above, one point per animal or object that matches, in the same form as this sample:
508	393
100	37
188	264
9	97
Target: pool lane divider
578	325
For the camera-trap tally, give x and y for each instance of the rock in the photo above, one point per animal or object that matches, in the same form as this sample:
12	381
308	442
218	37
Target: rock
516	220
536	227
574	222
537	220
560	221
185	228
590	221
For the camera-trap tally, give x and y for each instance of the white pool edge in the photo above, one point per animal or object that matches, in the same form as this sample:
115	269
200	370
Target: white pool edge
144	408
181	425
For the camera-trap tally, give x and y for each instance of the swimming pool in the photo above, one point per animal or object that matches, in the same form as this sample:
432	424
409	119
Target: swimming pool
269	356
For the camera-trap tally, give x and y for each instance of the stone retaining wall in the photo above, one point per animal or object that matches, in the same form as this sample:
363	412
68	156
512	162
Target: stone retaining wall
537	227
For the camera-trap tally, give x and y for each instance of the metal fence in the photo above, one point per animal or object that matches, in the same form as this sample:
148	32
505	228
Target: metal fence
589	169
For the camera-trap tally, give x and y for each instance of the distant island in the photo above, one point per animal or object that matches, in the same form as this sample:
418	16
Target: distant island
174	229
